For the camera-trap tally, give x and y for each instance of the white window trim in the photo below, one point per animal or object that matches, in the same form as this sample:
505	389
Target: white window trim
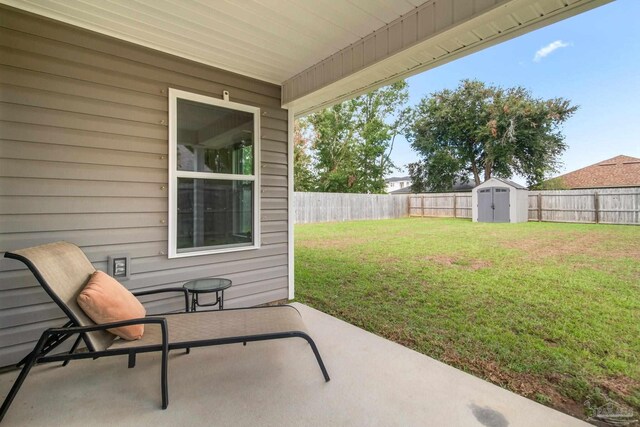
174	174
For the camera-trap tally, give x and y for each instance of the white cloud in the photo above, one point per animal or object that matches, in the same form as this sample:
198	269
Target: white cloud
545	51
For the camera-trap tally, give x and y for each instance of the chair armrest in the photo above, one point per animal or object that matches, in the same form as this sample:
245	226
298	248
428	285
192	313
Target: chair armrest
103	326
158	291
91	328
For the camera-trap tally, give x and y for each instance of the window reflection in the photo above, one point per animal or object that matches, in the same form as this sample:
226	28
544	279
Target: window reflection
214	139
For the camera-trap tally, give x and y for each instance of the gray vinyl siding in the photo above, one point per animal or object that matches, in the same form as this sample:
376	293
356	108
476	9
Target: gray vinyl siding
83	158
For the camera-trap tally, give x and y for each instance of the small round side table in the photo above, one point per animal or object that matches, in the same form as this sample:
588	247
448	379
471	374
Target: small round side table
207	285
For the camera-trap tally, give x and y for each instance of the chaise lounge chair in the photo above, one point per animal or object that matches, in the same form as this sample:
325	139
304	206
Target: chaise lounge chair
62	269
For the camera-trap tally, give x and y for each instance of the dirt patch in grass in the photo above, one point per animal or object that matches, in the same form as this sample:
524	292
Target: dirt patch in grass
623	386
524	384
551	245
440	259
449	261
333	243
399	334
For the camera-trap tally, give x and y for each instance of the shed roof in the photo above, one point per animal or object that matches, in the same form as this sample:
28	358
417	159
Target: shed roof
511	183
504	181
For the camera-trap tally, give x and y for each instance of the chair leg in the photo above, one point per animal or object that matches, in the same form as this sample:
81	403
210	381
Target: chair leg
132	360
16	386
73	349
164	367
318	358
28	364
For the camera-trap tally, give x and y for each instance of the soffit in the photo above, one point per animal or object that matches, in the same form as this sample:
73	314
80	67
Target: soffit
434	33
271	40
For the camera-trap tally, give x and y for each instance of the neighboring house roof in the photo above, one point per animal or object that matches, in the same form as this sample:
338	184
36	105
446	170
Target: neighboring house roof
463	186
459	186
619	171
398	178
403	190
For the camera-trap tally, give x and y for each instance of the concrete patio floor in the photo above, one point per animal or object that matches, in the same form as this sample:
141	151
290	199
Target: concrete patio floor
374	382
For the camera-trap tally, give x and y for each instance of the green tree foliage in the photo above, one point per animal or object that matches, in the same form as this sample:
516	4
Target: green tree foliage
333	147
352	141
303	178
482	131
551	184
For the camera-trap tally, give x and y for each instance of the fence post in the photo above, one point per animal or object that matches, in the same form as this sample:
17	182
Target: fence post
454	205
422	205
596	206
539	202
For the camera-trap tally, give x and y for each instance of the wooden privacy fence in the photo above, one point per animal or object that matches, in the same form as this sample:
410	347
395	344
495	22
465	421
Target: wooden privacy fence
456	205
328	207
598	206
602	206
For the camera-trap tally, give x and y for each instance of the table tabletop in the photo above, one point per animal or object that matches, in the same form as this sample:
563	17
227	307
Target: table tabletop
207	284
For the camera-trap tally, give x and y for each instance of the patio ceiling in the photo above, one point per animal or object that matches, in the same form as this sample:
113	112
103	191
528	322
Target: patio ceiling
320	51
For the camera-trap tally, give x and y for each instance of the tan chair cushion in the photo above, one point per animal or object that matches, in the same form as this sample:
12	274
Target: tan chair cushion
105	300
63	270
220	324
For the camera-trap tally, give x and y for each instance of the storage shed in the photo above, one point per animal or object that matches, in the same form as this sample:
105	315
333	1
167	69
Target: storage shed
500	200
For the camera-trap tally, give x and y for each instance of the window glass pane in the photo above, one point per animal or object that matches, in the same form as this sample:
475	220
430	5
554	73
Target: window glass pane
214	212
214	139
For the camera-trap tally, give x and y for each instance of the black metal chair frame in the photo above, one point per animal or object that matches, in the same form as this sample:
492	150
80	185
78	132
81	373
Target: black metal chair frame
53	337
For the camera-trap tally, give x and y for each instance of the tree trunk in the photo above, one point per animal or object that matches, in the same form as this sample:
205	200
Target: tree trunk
487	170
474	169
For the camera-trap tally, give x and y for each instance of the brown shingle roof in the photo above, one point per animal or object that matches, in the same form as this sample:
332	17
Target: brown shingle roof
620	171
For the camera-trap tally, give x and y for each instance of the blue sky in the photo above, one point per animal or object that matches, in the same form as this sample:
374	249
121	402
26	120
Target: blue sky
596	65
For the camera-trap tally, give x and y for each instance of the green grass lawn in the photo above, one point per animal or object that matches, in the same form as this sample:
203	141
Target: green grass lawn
550	311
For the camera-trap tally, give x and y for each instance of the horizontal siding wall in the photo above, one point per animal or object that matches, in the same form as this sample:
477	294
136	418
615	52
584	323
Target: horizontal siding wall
83	158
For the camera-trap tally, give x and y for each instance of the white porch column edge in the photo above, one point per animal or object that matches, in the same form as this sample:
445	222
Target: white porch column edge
290	205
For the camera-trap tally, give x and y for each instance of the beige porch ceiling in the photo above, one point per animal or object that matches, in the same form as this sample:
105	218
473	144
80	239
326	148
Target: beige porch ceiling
319	51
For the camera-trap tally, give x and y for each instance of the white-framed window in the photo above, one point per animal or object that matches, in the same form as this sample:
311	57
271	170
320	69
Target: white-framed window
214	180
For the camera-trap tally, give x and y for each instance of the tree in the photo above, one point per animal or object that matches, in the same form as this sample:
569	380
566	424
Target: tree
380	116
303	178
353	140
551	184
480	130
333	147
